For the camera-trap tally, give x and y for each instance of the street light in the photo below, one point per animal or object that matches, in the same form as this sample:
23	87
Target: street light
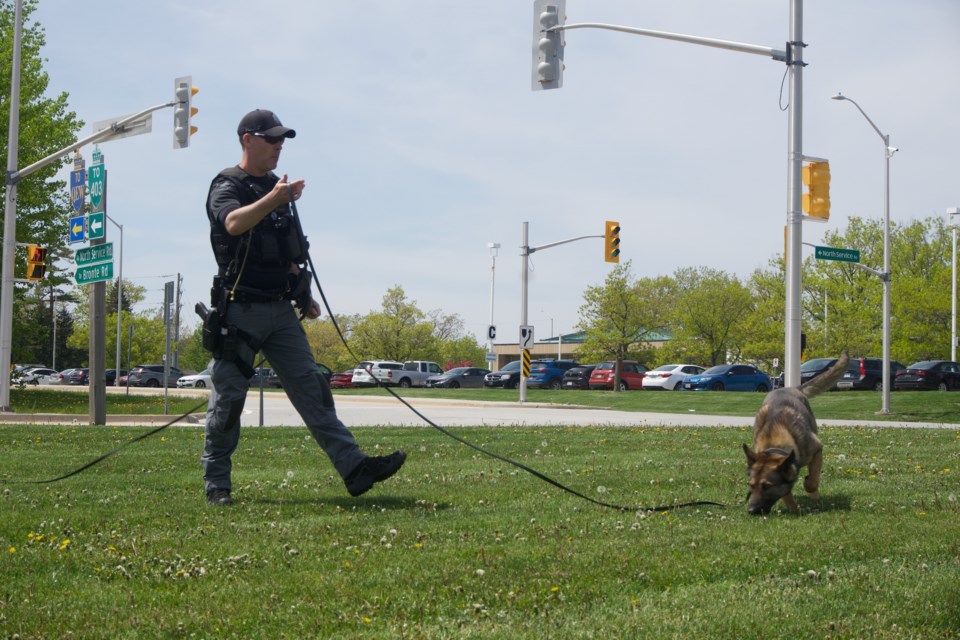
887	152
491	328
954	213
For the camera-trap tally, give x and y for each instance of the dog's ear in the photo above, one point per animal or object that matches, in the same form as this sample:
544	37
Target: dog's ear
751	456
789	467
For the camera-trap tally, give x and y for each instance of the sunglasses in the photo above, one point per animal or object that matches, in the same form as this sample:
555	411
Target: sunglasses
268	139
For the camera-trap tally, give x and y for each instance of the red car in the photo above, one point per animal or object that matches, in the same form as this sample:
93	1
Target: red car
342	380
631	375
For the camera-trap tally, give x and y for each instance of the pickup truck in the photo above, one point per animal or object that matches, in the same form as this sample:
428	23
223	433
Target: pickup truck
416	372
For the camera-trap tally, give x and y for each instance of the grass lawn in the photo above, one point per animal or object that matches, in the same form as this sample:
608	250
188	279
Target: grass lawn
459	545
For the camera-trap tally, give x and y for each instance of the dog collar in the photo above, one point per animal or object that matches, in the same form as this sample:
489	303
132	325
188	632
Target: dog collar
783	452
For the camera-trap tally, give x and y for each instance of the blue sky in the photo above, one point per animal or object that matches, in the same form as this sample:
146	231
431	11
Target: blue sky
421	141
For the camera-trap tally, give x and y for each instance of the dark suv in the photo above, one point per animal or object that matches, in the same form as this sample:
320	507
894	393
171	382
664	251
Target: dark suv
548	374
867	373
151	375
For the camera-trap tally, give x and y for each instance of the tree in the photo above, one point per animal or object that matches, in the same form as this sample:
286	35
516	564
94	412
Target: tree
397	332
710	311
620	317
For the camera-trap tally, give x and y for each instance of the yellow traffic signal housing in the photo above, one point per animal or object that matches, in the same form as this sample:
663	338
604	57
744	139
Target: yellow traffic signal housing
816	202
611	241
36	256
184	111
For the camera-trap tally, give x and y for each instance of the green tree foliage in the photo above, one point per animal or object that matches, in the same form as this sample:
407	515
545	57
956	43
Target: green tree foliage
620	317
401	331
710	314
46	125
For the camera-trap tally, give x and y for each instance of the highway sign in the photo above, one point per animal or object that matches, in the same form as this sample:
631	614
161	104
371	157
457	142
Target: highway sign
94	254
97	186
94	273
77	184
77	231
842	255
96	228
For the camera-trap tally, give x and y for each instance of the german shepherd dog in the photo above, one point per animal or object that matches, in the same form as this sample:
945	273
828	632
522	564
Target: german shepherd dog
784	441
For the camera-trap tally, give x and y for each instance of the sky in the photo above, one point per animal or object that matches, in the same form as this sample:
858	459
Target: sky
421	141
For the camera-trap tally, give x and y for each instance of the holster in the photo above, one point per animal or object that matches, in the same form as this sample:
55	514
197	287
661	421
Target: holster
300	292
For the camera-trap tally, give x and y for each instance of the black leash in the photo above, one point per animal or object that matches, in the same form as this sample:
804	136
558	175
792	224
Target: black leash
123	446
533	472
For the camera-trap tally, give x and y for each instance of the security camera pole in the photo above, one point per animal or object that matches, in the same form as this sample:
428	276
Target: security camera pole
548	28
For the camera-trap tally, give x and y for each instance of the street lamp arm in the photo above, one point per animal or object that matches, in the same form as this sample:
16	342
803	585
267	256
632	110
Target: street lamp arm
885	138
554	244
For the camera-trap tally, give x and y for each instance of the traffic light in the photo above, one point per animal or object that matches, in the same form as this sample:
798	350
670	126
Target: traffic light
183	112
816	202
36	256
611	242
548	45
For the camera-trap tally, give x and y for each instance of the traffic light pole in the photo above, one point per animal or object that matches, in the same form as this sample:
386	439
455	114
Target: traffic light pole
548	59
526	250
12	179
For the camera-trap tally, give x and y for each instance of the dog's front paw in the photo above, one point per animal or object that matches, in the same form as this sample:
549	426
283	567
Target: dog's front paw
814	495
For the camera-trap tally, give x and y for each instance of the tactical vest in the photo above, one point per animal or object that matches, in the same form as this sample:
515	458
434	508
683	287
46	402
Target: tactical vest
261	256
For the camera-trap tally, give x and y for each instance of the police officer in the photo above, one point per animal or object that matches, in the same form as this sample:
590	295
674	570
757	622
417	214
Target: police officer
261	259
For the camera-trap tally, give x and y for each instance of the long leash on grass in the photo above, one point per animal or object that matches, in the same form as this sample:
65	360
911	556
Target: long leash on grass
142	436
467	443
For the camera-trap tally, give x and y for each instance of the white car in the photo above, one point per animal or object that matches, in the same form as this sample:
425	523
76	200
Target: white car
198	380
38	375
386	371
670	376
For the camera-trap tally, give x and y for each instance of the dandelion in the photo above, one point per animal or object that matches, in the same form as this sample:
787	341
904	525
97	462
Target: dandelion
12	549
601	489
289	474
64	544
554	589
480	573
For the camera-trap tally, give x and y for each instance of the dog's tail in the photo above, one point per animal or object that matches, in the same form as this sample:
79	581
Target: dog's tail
827	379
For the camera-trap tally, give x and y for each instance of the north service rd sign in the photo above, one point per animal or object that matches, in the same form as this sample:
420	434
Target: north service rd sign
841	255
92	265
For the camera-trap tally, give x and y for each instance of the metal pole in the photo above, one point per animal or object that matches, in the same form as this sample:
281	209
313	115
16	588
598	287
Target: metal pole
523	297
792	329
10	217
885	275
493	246
954	213
116	378
885	403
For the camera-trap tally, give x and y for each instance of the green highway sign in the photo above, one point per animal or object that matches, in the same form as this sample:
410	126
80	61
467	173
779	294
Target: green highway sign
94	254
843	255
94	273
96	226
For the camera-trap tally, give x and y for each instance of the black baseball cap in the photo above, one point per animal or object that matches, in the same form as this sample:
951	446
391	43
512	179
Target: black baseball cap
265	122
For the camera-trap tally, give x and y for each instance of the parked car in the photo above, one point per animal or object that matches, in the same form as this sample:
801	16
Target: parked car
61	377
508	377
36	376
729	377
386	371
460	377
18	370
78	377
342	380
631	375
578	377
110	376
416	372
261	377
273	380
123	380
548	374
670	376
198	380
867	373
943	375
151	375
